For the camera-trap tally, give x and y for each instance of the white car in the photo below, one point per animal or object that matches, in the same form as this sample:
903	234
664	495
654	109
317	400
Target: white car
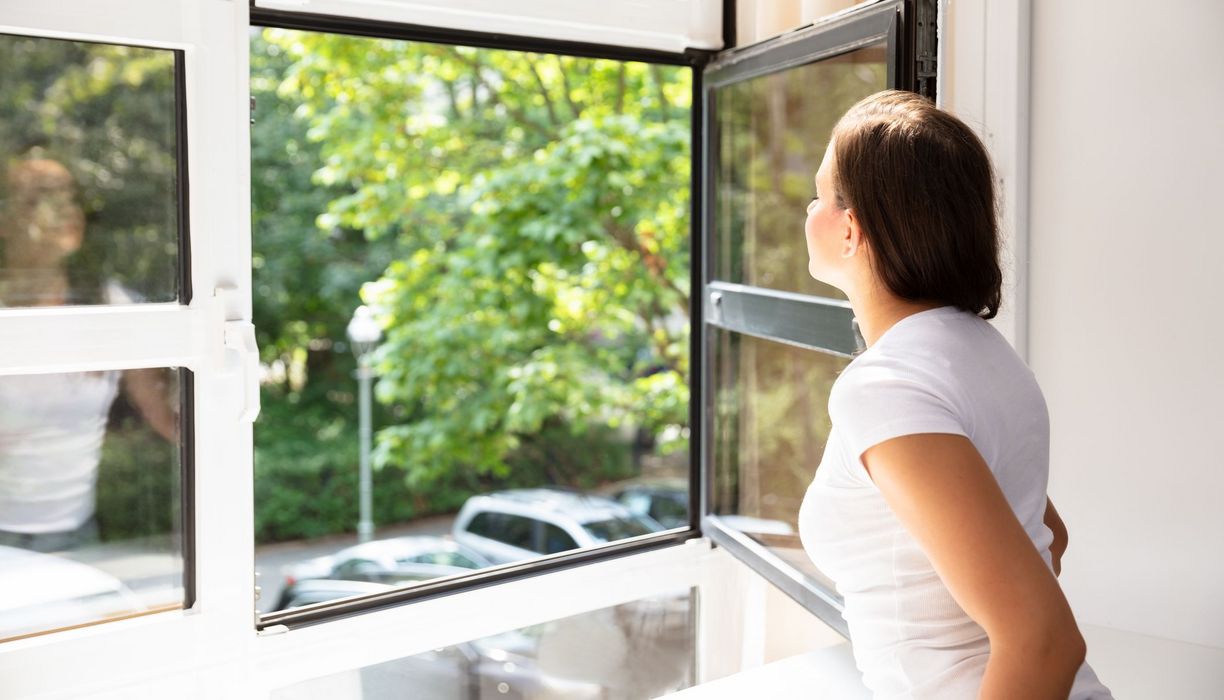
44	591
517	524
395	560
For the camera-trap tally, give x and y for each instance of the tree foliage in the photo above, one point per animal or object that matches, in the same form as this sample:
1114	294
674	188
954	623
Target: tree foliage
533	211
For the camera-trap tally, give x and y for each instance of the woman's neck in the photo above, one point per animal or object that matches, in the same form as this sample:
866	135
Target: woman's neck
876	310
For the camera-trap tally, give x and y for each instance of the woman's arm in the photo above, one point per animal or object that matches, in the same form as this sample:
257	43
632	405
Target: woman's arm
149	391
944	494
1059	546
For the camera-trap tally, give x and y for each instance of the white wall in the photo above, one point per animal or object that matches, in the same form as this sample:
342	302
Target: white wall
1126	242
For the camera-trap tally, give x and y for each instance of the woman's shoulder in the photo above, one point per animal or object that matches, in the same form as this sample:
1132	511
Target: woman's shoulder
925	358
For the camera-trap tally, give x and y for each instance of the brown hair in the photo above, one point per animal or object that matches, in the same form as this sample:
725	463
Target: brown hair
921	184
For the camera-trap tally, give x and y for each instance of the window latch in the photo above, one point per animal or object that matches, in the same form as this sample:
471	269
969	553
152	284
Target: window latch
238	335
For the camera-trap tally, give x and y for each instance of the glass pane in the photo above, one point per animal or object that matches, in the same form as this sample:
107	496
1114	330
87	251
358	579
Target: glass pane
90	488
772	133
771	422
89	190
517	226
643	649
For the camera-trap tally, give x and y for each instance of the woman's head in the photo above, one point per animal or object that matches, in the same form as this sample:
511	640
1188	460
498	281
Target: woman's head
912	187
43	222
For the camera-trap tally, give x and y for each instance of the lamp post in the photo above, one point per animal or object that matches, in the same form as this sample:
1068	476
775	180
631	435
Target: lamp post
364	334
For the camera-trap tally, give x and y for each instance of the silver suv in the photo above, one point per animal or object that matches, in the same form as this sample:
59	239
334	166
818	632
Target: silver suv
518	524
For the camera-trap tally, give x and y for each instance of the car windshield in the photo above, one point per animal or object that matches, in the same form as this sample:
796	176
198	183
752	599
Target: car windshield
617	528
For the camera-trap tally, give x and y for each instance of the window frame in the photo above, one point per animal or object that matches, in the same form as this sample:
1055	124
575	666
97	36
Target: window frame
821	324
695	60
104	332
190	333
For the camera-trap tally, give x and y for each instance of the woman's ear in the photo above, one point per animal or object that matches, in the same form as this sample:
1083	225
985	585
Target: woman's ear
853	241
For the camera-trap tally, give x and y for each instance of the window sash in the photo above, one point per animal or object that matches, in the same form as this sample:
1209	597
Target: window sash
551	564
209	39
816	323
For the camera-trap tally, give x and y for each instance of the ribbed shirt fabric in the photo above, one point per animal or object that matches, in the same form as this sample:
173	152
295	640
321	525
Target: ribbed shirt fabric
941	370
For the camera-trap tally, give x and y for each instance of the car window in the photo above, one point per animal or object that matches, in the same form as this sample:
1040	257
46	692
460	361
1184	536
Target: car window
638	503
483	524
667	509
443	558
617	528
557	540
355	569
514	530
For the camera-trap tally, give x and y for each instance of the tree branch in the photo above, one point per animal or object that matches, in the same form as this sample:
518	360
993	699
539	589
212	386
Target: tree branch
655	265
454	100
664	105
552	111
620	90
519	114
574	105
478	72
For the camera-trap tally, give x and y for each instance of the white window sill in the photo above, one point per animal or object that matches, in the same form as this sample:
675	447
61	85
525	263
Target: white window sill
823	674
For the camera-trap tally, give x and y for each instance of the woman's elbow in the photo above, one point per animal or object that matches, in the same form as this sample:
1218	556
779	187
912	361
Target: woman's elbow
1056	647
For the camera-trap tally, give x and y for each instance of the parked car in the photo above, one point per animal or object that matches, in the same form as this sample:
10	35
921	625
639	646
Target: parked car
44	591
392	561
664	499
516	524
500	666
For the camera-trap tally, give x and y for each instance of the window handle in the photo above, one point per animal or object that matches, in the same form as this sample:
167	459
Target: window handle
240	337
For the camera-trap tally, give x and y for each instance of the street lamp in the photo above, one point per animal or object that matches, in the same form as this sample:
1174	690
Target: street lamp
364	334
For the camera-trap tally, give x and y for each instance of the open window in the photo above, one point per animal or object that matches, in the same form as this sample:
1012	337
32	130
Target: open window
731	346
774	339
716	340
516	217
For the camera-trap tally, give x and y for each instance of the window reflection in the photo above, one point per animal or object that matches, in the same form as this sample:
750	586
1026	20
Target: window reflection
771	423
642	649
772	132
88	174
89	497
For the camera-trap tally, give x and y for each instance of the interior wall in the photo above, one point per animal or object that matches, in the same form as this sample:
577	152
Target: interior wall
1124	325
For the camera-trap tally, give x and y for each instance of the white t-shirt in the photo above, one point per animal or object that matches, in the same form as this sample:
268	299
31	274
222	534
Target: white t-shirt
937	371
51	431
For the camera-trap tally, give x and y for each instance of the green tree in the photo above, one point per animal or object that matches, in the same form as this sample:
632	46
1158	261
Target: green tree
537	210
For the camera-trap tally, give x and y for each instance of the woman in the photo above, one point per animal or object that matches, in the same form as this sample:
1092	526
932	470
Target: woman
52	426
929	507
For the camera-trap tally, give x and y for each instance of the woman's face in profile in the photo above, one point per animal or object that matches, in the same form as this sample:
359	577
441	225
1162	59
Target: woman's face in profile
824	227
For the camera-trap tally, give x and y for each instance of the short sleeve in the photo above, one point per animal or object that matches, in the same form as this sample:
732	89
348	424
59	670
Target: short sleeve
871	404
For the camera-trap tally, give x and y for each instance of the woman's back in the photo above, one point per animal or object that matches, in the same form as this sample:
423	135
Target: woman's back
942	370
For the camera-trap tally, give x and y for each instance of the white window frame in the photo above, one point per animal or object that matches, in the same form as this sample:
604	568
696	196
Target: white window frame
97	659
213	649
673	25
984	79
